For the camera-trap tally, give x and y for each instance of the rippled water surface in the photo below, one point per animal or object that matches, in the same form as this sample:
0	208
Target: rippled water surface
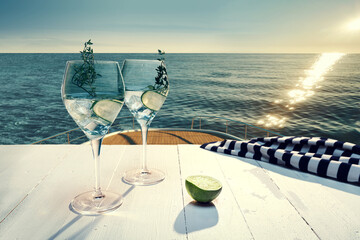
294	94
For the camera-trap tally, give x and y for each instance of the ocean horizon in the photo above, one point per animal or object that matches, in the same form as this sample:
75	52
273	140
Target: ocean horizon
295	94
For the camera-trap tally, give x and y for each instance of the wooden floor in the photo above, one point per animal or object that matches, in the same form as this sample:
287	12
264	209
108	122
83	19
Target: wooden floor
161	138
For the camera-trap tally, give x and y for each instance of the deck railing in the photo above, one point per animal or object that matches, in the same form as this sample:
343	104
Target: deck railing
79	134
230	126
221	124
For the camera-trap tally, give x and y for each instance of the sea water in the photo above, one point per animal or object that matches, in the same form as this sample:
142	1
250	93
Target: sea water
293	94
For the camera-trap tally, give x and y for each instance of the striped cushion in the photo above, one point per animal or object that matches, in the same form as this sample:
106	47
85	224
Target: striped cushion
322	156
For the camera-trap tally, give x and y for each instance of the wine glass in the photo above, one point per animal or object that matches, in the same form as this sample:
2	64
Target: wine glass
146	88
93	94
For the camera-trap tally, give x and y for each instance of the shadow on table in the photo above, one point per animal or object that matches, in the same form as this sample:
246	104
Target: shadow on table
96	219
303	176
195	217
79	232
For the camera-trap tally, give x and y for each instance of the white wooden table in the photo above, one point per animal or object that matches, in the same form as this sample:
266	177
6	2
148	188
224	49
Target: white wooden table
258	201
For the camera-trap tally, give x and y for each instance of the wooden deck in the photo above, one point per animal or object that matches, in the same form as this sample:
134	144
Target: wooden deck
162	137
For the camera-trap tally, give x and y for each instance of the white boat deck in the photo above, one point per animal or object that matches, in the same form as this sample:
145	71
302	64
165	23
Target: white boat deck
258	201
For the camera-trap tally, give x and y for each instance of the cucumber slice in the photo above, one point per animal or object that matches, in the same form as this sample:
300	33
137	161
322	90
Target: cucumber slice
107	109
152	100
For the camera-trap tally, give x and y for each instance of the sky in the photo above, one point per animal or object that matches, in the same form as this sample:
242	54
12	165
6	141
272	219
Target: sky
182	26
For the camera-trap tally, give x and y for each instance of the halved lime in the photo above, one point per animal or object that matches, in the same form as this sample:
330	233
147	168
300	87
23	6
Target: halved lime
153	100
107	109
202	188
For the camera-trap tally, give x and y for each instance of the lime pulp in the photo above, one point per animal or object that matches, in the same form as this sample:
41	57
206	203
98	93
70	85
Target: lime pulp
202	188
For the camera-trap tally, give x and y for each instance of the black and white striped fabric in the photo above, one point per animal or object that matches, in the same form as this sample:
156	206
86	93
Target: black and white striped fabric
322	156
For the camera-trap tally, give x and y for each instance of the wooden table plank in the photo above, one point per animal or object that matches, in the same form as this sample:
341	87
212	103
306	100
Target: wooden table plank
259	200
21	171
148	212
46	209
331	208
268	212
223	219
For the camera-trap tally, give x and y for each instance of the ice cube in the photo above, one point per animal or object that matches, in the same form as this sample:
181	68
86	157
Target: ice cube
84	107
134	103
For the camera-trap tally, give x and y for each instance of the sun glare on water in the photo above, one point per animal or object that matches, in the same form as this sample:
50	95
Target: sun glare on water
305	88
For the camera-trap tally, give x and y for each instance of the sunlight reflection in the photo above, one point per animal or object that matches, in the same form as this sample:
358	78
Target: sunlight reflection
354	25
272	121
306	86
304	89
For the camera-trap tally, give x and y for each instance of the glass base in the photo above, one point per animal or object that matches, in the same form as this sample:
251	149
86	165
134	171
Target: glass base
140	177
86	204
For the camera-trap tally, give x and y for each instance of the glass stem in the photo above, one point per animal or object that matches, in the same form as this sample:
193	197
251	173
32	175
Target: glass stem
144	132
96	148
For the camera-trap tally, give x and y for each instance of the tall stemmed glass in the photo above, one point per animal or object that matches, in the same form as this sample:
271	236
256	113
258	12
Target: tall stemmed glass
147	87
93	94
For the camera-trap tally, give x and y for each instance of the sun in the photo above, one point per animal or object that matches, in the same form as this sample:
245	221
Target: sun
354	25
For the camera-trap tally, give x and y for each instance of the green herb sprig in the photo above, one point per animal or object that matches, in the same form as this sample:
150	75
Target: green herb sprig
162	55
161	80
85	74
